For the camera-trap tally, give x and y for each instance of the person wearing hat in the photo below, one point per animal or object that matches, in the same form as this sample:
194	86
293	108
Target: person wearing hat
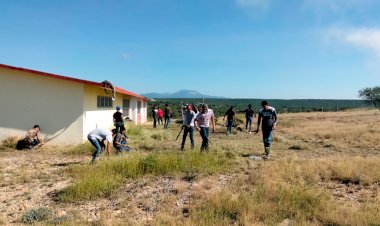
118	119
188	125
202	123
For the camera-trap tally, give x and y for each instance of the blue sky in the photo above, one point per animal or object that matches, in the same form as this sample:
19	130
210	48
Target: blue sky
286	49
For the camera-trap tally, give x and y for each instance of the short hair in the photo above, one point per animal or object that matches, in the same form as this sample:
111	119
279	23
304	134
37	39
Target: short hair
36	126
264	102
249	105
204	106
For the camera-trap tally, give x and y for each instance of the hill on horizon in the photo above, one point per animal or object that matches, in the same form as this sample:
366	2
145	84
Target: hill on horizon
181	94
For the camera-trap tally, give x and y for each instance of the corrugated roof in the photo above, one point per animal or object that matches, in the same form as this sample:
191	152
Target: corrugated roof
98	84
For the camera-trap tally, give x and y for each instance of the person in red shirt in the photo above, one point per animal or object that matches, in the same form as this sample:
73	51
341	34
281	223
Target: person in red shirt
160	114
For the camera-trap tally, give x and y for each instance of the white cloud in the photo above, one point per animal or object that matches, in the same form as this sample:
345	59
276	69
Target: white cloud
339	7
126	56
362	38
253	3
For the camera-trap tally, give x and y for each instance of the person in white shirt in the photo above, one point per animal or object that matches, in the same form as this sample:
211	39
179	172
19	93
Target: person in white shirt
97	138
202	123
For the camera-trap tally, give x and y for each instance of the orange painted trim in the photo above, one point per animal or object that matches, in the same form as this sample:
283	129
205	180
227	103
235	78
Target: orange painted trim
91	83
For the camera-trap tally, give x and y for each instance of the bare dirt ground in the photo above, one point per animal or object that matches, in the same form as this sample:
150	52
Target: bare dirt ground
32	179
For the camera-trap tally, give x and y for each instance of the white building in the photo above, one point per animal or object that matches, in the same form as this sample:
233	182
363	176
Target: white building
65	108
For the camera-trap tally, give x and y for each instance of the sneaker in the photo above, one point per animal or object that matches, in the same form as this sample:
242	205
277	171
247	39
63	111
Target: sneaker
250	132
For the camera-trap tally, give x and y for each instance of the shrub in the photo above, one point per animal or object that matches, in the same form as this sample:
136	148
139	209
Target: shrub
35	215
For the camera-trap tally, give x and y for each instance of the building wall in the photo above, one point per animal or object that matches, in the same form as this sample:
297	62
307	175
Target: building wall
27	99
95	117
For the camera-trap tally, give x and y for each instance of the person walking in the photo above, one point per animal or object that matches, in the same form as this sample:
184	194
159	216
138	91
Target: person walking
268	120
118	119
202	123
168	115
231	116
155	116
97	138
160	114
249	114
188	124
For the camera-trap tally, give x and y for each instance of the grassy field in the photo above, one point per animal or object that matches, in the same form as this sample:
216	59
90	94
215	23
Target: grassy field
325	170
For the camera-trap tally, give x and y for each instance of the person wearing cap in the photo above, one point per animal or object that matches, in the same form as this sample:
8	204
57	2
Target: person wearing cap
33	137
188	125
202	123
97	138
268	119
118	119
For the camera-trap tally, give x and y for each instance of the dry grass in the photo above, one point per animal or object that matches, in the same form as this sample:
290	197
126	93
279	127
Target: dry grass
325	170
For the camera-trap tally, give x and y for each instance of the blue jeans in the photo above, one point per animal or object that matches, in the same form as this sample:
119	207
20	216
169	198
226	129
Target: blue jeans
96	143
154	122
190	131
167	122
122	147
118	126
204	134
230	123
248	124
267	137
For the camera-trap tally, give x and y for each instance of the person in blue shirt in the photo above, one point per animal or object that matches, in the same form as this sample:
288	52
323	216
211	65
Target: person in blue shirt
268	120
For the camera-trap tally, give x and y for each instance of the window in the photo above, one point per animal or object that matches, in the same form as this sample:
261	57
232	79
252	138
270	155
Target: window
126	107
104	102
139	107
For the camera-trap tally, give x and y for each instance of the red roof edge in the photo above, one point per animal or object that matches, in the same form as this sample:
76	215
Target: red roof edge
99	84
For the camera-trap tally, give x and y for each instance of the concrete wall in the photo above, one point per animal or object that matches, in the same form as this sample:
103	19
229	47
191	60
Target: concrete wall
27	99
95	117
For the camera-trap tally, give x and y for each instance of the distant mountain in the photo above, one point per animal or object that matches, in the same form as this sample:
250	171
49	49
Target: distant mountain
180	94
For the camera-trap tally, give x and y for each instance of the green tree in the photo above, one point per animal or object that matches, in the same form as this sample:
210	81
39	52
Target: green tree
371	94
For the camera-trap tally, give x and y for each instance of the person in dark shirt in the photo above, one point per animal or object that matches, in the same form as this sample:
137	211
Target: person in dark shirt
168	115
249	114
118	119
155	116
267	119
120	141
188	124
230	114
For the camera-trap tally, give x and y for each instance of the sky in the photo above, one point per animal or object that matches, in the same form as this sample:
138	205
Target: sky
282	49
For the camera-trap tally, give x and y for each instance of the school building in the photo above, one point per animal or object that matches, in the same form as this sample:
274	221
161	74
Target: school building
65	108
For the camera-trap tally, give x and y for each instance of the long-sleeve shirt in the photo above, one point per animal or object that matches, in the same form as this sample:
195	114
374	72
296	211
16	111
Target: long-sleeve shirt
188	118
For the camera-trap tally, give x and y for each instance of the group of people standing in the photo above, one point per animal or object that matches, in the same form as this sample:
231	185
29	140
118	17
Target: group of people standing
201	120
158	116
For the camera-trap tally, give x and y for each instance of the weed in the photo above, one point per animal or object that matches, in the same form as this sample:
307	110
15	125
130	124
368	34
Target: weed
134	131
102	179
9	143
81	149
